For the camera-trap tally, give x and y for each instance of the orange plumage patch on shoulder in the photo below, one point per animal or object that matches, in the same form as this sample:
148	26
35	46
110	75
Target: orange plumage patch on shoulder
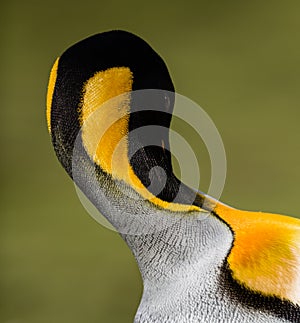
265	256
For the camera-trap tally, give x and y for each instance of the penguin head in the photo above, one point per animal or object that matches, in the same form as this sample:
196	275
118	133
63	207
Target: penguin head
109	107
97	69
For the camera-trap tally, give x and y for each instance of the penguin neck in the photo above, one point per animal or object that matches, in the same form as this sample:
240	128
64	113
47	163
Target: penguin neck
180	267
188	251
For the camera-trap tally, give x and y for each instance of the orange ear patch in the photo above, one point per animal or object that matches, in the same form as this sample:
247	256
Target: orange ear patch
104	117
265	256
51	86
103	131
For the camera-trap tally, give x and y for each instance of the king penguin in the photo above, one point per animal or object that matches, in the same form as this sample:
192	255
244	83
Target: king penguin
200	260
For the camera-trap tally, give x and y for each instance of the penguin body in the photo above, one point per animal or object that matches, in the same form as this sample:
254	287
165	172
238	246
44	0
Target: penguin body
200	260
186	279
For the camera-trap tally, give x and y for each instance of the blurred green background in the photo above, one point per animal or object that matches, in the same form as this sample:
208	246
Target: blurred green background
239	60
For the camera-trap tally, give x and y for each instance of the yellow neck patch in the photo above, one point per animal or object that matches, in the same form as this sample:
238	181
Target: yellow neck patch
51	85
266	253
104	116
